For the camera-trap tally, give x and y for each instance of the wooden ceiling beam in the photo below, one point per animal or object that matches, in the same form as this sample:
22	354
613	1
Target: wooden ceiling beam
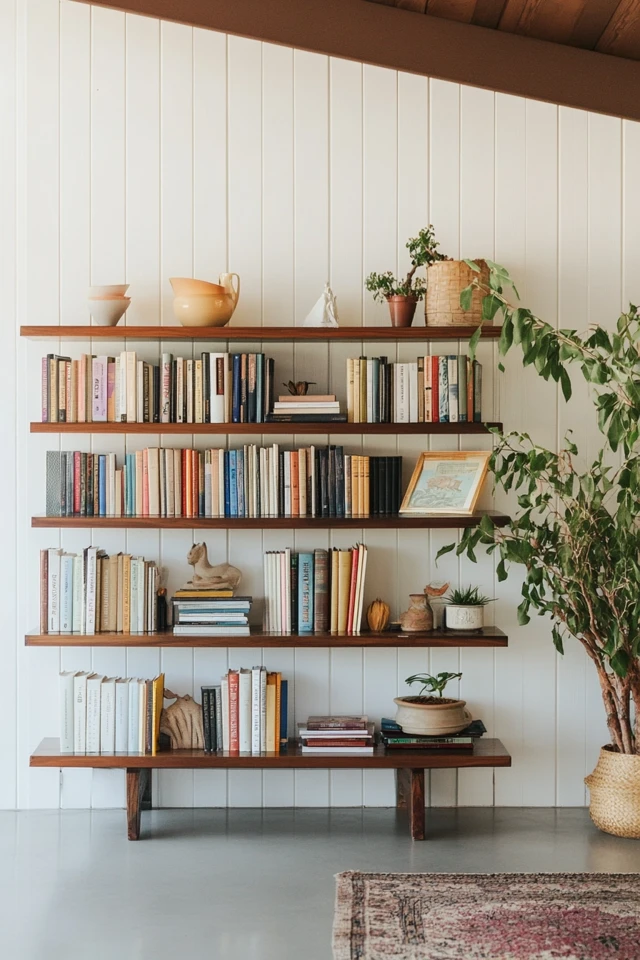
378	34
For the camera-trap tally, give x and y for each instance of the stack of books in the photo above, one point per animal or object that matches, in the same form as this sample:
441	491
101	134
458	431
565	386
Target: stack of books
394	738
445	389
216	388
210	613
250	482
314	592
109	714
310	408
347	735
94	592
246	712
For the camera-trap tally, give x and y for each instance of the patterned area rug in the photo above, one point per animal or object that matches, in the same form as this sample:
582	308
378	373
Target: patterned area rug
440	916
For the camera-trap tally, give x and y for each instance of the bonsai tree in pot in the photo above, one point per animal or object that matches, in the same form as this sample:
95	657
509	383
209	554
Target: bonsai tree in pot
402	295
464	609
432	715
575	531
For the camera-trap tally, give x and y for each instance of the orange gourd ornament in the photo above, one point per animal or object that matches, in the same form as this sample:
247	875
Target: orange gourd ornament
378	614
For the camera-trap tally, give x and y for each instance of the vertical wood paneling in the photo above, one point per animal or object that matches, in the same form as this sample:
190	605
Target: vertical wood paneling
145	150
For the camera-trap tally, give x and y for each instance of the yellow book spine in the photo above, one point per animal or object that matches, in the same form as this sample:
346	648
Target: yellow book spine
271	713
158	699
350	406
344	587
363	487
278	710
334	591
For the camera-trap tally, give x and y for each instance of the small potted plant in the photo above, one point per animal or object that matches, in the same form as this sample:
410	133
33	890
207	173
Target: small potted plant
432	715
402	295
464	609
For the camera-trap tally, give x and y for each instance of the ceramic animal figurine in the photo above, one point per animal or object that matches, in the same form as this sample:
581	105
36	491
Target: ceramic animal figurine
324	313
419	616
223	576
182	722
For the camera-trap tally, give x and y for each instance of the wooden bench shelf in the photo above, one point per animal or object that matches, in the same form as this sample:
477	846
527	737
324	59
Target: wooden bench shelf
487	637
409	765
273	523
242	429
257	334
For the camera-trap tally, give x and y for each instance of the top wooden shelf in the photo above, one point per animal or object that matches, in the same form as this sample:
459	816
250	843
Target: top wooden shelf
254	334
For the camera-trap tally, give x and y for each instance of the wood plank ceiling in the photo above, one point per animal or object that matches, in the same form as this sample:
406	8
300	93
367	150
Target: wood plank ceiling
609	26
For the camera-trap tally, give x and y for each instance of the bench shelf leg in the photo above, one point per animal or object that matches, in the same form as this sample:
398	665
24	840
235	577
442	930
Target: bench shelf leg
416	808
138	783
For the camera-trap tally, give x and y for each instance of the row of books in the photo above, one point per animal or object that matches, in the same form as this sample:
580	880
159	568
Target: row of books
94	592
216	388
314	592
246	712
248	482
109	714
344	735
445	389
210	613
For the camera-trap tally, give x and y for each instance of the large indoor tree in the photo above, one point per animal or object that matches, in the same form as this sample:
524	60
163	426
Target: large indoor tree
575	530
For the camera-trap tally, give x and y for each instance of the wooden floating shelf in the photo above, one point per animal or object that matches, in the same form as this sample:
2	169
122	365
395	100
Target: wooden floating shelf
355	429
487	637
255	334
486	752
272	523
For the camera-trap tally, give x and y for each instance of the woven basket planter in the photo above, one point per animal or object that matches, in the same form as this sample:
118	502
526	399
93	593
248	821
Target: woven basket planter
615	793
445	280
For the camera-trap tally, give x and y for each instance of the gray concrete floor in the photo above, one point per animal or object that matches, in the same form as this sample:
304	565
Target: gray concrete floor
247	884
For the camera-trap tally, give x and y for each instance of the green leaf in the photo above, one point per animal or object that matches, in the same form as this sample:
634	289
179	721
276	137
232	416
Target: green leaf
506	336
565	383
473	343
473	265
490	306
523	616
466	297
447	549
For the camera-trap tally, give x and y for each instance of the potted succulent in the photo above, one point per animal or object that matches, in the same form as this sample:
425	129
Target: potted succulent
464	609
432	715
402	295
575	528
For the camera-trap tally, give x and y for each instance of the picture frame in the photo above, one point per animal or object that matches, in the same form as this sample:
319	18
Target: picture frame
446	483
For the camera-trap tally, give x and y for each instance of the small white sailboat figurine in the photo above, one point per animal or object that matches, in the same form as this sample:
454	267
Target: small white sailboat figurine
324	312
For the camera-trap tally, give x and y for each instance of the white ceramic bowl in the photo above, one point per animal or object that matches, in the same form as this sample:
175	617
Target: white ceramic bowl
107	312
108	290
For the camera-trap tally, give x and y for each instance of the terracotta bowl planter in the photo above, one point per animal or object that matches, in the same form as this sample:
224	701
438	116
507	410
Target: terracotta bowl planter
432	716
615	793
402	310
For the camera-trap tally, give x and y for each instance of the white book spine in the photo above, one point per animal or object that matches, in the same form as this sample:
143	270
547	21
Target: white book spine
179	389
123	386
134	719
122	716
286	612
94	684
117	402
53	591
207	484
224	686
452	372
133	598
80	713
132	393
108	715
263	710
413	392
244	712
255	710
165	388
266	612
141	716
90	623
66	593
141	595
66	711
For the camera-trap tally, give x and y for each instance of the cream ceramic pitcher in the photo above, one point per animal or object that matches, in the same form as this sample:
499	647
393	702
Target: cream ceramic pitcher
226	280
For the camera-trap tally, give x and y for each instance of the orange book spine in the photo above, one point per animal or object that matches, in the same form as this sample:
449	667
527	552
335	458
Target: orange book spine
366	487
295	486
352	589
234	717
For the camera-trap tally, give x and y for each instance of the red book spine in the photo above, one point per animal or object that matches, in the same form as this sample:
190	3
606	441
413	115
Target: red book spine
355	553
183	485
77	460
435	393
234	719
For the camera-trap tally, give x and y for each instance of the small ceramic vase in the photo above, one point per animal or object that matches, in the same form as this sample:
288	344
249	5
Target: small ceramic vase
419	616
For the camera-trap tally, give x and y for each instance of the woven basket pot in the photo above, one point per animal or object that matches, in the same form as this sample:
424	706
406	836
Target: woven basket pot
445	280
615	793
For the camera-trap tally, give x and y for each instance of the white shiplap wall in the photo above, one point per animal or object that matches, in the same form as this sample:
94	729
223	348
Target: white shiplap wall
138	149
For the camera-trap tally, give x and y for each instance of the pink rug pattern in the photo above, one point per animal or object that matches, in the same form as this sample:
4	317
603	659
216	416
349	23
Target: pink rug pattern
417	916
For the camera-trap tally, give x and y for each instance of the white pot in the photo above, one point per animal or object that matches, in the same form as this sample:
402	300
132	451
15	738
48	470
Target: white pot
432	719
463	617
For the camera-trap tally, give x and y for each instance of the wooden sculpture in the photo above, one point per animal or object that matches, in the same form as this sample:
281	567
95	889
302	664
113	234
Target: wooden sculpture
182	722
223	576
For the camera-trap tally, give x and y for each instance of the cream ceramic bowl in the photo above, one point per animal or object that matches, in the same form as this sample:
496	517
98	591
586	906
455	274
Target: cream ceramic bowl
432	719
108	290
107	311
207	311
186	287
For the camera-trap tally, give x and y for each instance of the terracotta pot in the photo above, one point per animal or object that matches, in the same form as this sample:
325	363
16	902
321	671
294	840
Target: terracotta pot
402	310
203	311
431	719
463	616
419	616
615	793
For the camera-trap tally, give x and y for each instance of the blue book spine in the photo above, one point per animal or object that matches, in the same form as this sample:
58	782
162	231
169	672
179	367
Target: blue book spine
233	483
260	388
375	390
339	481
284	703
240	475
443	390
227	485
305	593
102	485
236	388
